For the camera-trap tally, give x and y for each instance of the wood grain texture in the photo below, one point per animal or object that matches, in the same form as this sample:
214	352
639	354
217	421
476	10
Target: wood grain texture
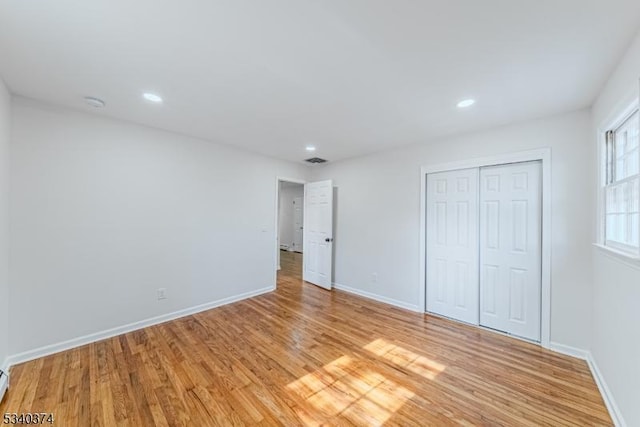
305	356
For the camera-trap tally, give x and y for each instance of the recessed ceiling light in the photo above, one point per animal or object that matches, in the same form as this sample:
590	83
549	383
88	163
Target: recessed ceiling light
94	102
466	103
310	148
152	97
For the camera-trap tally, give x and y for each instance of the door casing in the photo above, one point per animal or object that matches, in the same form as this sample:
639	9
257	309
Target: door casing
298	225
277	225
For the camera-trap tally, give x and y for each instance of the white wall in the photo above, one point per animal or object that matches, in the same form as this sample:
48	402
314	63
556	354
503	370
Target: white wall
105	212
616	319
5	114
378	215
288	192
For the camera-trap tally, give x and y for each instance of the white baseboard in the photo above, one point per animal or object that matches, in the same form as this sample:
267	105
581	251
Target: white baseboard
4	379
98	336
376	297
607	396
4	384
568	350
610	403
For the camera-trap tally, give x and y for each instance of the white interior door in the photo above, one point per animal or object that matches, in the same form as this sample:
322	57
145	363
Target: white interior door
452	244
298	226
318	233
511	248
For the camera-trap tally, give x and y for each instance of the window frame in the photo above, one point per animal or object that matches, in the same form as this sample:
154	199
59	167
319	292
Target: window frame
607	178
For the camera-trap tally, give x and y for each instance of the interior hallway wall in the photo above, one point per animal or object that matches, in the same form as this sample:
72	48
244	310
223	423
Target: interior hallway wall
288	192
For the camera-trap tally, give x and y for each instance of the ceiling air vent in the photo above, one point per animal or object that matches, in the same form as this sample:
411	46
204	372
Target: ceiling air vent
316	160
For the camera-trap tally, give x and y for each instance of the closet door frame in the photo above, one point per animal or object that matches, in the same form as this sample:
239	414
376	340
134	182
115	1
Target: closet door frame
544	155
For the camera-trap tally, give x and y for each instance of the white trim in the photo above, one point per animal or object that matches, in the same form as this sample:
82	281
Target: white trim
625	258
618	115
607	396
499	159
620	112
376	297
4	380
277	224
109	333
567	350
543	154
632	252
4	385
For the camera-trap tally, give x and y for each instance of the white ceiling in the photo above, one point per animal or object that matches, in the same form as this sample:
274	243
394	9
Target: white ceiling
349	76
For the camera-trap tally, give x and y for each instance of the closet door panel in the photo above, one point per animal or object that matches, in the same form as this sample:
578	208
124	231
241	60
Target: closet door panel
510	248
452	244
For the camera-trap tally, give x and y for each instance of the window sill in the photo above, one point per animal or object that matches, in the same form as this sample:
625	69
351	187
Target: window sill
623	257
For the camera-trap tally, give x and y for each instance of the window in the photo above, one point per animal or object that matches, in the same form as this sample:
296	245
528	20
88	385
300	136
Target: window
622	186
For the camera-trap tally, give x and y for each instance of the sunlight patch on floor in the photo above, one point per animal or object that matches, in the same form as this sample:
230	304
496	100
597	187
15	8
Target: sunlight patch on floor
400	356
351	389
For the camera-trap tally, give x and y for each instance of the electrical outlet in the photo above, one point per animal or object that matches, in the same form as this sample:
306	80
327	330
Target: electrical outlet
374	277
162	293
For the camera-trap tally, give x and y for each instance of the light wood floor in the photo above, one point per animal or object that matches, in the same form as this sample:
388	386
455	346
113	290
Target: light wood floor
306	356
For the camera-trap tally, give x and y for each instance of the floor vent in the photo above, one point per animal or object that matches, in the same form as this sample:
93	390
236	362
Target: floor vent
316	160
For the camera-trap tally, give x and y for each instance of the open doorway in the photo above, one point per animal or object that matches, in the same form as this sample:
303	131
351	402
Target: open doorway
290	229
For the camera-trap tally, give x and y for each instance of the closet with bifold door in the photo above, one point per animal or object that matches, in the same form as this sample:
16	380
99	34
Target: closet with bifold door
484	246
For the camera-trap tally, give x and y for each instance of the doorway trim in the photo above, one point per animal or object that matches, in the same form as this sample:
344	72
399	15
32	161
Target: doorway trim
542	154
276	253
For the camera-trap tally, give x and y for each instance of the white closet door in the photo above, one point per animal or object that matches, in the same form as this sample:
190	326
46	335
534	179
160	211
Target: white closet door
298	223
452	244
510	248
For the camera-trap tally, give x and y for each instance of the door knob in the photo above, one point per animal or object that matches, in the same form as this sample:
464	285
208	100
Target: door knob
328	239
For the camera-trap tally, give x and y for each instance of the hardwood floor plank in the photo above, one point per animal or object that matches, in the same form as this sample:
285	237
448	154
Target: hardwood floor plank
306	356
